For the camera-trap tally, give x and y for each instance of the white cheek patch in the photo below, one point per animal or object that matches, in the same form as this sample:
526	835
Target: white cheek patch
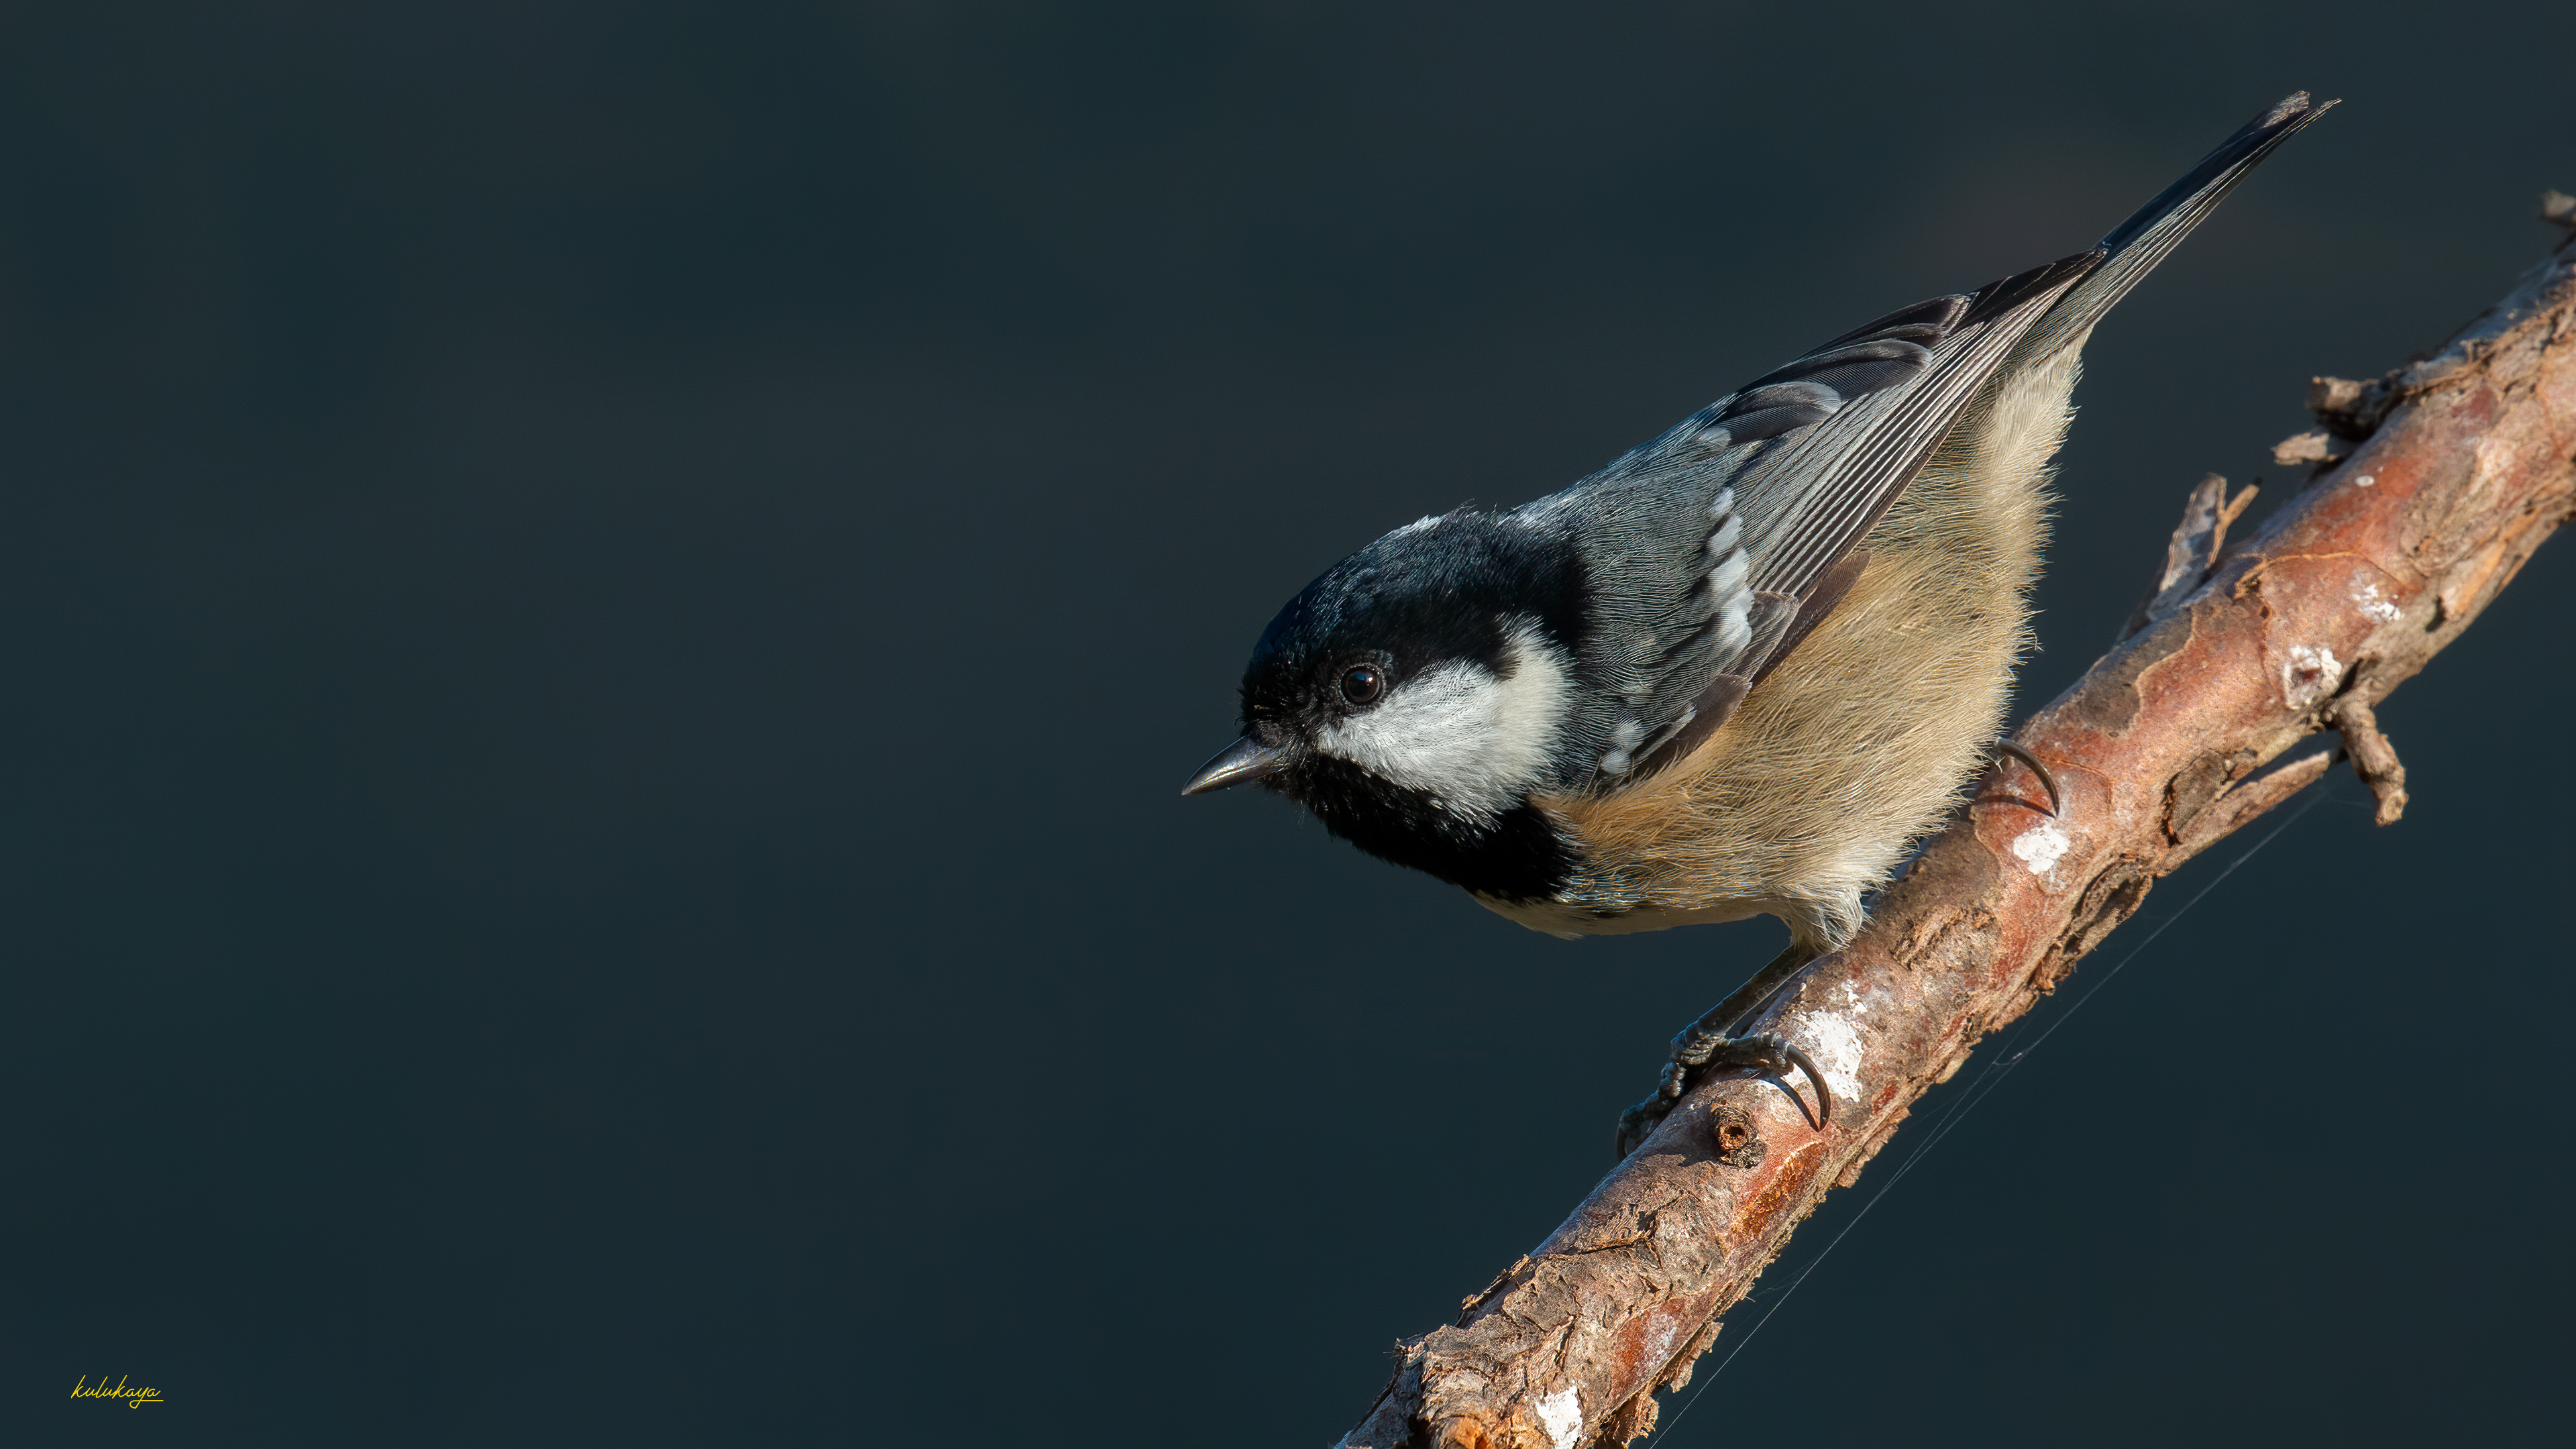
1475	740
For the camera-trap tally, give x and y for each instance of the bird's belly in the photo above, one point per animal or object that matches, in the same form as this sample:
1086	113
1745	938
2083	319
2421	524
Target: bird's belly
1860	741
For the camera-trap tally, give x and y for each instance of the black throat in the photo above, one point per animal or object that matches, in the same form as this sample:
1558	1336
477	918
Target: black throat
1516	856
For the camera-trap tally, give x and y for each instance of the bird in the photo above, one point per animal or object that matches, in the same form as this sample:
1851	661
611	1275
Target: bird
1739	671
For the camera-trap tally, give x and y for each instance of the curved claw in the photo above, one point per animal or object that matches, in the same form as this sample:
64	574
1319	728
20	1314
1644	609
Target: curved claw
1769	1053
1824	1096
1636	1124
2046	781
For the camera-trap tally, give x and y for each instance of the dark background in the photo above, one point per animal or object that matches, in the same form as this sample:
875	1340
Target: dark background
602	608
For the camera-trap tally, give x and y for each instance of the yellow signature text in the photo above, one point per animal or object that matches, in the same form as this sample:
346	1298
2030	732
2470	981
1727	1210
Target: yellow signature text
134	1398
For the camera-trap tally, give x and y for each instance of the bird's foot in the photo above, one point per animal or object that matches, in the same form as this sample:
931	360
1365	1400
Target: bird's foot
2002	750
1699	1049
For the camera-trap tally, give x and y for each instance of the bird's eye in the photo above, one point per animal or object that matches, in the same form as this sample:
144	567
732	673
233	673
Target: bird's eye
1363	683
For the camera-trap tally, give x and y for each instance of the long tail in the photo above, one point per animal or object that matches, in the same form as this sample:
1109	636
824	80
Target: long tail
2149	236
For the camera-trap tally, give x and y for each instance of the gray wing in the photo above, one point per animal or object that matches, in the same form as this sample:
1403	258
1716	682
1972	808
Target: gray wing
1712	549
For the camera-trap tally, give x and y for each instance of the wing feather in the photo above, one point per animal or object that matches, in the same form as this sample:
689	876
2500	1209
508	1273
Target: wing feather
1695	600
1712	550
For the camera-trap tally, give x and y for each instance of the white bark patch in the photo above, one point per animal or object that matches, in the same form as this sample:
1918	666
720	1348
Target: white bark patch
1561	1415
1836	1046
2311	674
2040	847
2366	480
2365	595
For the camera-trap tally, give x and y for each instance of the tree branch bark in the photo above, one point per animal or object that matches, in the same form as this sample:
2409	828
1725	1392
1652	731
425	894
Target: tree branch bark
2434	484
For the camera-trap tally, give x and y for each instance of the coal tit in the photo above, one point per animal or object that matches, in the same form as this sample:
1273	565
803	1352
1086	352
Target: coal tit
1739	670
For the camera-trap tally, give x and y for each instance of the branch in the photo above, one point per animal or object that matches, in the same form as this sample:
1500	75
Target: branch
2433	485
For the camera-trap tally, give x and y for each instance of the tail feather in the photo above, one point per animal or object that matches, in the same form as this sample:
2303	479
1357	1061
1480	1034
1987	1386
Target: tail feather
2138	244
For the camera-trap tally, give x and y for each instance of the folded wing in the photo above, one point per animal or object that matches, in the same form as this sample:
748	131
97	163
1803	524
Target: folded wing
1714	547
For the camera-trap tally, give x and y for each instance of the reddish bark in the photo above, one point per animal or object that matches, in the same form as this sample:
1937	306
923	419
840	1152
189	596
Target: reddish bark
2442	479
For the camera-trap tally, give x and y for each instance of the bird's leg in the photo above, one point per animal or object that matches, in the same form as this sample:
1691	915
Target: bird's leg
1710	1042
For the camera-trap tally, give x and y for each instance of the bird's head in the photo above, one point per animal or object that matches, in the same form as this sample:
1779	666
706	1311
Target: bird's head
1415	695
